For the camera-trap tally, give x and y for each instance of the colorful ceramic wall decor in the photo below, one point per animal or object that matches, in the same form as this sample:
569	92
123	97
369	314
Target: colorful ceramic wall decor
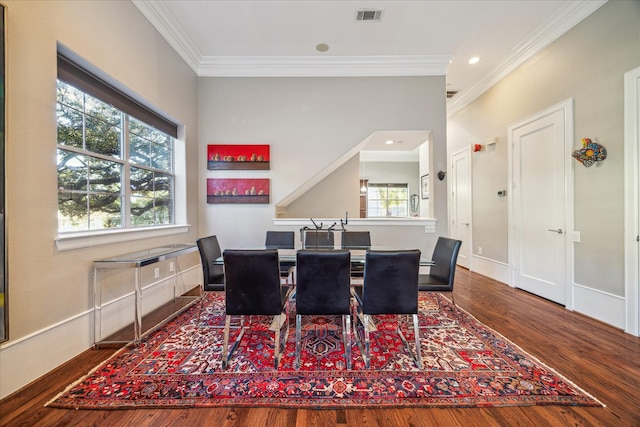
590	153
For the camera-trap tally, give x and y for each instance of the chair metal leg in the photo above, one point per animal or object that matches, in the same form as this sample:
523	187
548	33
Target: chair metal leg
455	309
298	338
276	348
346	332
367	356
416	331
226	354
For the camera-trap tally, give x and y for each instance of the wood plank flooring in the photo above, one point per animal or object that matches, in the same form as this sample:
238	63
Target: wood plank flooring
600	359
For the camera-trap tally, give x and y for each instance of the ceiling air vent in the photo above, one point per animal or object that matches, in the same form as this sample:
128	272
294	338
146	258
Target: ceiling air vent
369	15
451	93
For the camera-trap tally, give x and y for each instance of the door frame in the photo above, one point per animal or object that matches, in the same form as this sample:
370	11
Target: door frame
469	207
567	108
632	202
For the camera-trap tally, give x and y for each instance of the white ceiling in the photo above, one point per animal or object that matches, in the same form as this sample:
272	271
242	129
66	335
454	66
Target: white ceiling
419	37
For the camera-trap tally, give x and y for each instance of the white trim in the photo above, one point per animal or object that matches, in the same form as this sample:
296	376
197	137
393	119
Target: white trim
325	66
60	342
469	208
603	306
631	197
66	242
567	107
491	268
567	17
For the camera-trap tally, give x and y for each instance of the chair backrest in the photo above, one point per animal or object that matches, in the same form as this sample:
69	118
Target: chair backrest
391	282
323	282
209	249
445	256
252	282
356	240
280	240
318	239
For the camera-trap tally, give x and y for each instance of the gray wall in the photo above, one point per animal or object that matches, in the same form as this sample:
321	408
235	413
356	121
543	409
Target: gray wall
586	64
309	123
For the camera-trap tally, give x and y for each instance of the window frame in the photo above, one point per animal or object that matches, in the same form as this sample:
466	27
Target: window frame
387	185
73	68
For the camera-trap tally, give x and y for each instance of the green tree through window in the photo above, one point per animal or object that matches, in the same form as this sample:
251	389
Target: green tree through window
114	171
387	200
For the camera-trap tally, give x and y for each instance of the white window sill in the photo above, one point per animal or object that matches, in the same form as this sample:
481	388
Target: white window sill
70	241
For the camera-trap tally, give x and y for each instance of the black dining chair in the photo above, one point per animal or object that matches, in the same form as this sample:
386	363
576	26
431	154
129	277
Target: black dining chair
282	240
356	240
390	287
212	269
323	288
442	274
252	288
318	239
213	272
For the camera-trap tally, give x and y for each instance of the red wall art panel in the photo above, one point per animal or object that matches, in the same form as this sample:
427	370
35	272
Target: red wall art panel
225	157
237	190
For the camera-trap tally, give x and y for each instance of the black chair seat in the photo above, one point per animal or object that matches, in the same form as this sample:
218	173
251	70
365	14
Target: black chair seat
433	284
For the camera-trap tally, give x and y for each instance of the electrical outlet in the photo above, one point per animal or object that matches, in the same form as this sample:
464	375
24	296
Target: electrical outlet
171	267
156	273
479	250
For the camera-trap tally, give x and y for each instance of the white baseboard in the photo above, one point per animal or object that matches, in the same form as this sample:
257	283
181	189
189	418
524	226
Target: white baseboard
603	306
493	269
20	361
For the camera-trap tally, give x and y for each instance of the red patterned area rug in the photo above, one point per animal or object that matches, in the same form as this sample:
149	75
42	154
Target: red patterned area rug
468	365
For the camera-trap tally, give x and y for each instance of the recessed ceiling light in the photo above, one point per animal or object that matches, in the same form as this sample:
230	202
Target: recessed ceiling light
322	47
474	60
389	142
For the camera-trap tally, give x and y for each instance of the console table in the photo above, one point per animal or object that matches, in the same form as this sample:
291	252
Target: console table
135	260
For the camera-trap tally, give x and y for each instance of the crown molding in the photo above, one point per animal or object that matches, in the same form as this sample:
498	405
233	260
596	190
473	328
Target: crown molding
325	66
567	17
160	18
285	66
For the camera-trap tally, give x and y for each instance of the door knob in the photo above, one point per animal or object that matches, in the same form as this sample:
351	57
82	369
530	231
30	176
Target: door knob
559	230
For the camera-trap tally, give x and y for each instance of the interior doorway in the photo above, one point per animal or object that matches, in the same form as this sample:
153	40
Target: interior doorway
632	200
540	212
461	205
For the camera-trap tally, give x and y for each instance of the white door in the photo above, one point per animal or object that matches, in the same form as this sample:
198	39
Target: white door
632	199
461	204
538	224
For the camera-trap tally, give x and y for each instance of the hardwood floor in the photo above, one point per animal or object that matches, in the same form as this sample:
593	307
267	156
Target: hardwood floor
600	359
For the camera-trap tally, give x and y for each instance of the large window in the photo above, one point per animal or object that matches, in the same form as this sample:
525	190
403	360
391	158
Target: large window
387	200
114	170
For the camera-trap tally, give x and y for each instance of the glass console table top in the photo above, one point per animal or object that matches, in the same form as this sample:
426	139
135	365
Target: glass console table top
146	257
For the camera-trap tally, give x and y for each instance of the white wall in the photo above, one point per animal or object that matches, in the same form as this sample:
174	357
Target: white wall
586	64
49	297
